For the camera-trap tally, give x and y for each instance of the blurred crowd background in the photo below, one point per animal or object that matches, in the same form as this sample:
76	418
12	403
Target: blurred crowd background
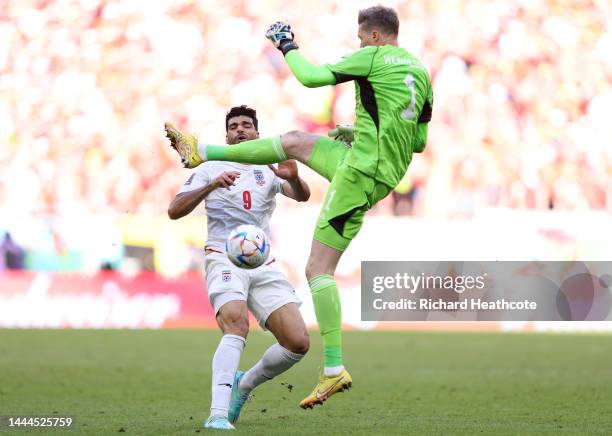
521	120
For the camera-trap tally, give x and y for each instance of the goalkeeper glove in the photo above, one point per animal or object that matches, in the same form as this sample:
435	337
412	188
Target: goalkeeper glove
343	132
282	37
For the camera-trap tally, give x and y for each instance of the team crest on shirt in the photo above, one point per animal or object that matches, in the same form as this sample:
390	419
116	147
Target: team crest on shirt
259	177
226	275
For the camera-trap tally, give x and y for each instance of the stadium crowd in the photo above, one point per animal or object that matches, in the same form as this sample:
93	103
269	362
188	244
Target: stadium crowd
521	119
523	93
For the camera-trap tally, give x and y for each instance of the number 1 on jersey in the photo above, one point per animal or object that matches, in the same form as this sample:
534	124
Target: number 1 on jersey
246	198
409	113
331	197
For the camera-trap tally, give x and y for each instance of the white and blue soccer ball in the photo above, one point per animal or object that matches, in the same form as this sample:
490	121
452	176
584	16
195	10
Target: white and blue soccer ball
247	246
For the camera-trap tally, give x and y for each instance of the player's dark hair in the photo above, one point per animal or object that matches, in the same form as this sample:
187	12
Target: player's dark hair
236	111
379	17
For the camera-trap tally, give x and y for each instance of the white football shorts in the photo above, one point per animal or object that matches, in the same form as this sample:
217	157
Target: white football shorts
265	289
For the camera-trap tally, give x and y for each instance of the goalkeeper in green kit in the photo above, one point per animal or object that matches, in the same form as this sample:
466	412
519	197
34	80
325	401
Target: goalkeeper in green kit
393	107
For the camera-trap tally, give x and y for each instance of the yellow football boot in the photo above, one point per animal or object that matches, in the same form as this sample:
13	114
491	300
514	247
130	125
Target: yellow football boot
185	144
327	387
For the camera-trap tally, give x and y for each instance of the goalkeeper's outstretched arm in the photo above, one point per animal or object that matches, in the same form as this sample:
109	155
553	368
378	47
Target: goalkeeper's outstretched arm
308	74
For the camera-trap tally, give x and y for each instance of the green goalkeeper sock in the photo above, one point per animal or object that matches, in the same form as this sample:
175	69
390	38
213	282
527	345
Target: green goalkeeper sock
329	316
257	151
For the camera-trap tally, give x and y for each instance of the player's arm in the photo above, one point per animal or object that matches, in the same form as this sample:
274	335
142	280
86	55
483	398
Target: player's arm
297	189
351	67
423	123
185	202
308	74
293	186
421	138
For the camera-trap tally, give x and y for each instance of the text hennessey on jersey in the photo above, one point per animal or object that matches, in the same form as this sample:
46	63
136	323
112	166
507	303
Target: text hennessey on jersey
396	60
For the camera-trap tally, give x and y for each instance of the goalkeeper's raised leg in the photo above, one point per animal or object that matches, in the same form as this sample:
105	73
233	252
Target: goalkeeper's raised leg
260	151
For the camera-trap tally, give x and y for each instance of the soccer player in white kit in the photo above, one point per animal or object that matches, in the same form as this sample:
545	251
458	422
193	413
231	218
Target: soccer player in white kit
236	194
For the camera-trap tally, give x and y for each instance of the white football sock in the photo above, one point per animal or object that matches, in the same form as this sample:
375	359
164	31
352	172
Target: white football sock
274	361
332	371
224	365
202	150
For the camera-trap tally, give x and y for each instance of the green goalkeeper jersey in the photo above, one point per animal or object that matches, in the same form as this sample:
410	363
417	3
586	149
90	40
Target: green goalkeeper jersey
393	106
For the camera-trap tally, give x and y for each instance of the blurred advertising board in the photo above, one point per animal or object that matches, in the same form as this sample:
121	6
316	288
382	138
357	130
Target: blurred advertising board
104	300
151	301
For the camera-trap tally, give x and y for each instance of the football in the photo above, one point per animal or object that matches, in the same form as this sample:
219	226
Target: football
247	246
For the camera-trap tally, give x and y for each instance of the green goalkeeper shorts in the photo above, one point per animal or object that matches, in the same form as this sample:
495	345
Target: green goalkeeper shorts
350	195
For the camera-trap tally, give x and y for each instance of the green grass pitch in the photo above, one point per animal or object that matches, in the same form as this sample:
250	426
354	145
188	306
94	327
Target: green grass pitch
158	382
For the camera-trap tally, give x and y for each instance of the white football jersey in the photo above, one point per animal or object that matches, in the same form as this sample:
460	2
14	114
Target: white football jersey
250	201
